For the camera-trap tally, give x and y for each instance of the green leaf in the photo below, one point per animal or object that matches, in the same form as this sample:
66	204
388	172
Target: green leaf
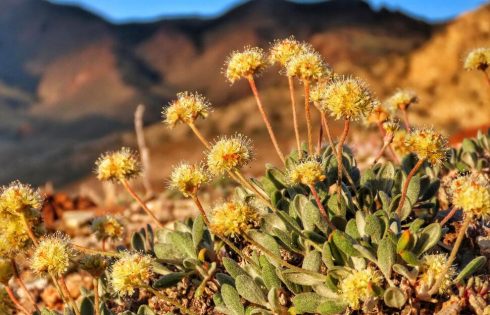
249	290
301	278
306	302
138	242
266	241
386	256
269	275
231	298
428	237
394	297
197	230
471	268
183	242
345	243
145	310
410	257
165	251
312	261
366	253
233	268
351	229
402	270
310	216
87	306
224	278
331	307
169	280
374	227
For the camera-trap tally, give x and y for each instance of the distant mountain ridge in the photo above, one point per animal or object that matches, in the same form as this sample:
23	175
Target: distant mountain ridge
68	78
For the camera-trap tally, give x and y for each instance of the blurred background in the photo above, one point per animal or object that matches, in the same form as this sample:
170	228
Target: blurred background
73	71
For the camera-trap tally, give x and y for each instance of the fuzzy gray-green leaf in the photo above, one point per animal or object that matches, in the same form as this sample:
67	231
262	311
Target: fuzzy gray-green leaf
306	302
394	297
471	268
231	298
249	290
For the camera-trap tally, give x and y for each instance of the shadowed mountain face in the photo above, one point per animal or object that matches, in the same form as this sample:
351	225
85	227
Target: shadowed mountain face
69	79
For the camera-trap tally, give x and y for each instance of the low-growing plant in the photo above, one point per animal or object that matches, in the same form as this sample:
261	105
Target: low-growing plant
316	234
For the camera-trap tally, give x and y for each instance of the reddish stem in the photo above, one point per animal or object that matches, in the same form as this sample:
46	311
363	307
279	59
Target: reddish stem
15	301
406	183
321	207
141	202
306	84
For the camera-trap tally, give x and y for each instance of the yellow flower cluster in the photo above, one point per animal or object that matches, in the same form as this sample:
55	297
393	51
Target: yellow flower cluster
357	287
13	236
347	98
117	166
379	115
186	109
19	199
107	227
283	50
472	194
400	142
242	64
391	127
478	59
188	178
401	100
427	144
431	270
308	173
233	217
131	271
229	154
52	255
308	65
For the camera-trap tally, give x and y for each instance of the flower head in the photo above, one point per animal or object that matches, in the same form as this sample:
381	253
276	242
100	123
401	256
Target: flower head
400	142
347	98
130	272
478	59
118	165
401	100
242	64
427	144
357	287
379	115
307	172
283	50
6	271
308	65
229	153
472	194
52	255
233	217
13	234
107	227
186	109
188	178
431	269
20	199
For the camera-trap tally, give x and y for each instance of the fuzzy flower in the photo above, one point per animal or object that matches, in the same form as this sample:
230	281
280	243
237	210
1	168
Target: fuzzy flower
391	127
347	98
472	194
131	271
186	109
107	227
307	66
6	271
357	287
52	255
242	64
283	50
19	199
379	115
229	154
188	178
401	100
478	59
308	173
117	166
431	269
233	217
400	142
13	234
427	144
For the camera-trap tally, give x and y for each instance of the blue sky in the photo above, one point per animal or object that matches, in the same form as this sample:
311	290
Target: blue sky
140	10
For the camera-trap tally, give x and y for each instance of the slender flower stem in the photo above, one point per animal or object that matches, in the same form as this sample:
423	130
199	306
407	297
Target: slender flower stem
306	84
321	207
95	251
199	135
327	129
247	183
320	137
340	148
295	116
141	202
103	244
224	239
453	254
70	298
395	157
168	300
255	92
22	285
279	260
15	301
406	122
30	233
58	288
448	216
406	183
386	144
96	296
